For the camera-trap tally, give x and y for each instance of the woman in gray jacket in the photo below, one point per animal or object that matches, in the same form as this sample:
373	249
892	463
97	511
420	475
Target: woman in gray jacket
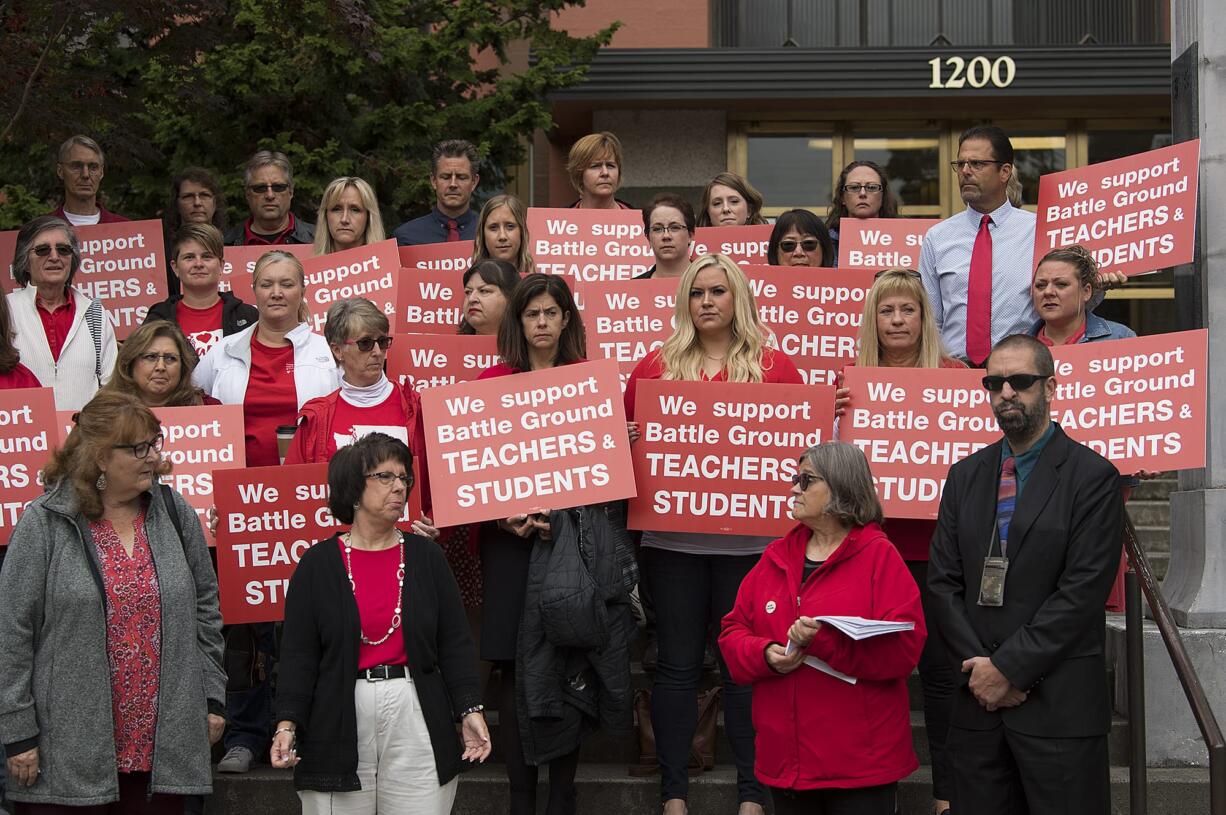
111	685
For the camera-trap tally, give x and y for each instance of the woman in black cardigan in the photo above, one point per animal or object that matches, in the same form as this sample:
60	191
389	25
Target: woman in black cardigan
375	613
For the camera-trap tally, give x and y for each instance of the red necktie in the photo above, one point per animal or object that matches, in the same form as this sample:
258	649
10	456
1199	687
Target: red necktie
979	296
453	235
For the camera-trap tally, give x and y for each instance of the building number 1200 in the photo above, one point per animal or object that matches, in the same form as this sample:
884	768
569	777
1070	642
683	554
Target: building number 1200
977	72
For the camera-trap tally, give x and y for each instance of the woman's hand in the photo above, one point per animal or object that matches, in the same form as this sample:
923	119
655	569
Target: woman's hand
217	725
212	518
782	662
476	738
803	631
23	768
632	430
842	398
426	528
284	750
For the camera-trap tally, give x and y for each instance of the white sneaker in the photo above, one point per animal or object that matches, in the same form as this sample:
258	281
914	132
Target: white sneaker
236	760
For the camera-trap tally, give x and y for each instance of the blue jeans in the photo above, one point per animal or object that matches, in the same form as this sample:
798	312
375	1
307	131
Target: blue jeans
250	710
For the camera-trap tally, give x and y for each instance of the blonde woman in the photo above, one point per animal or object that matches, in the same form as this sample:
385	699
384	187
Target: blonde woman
693	578
502	234
348	216
898	331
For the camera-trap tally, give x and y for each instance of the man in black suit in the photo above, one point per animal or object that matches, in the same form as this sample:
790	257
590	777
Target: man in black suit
1025	552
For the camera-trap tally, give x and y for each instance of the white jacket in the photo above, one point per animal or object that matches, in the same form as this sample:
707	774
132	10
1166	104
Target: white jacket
83	367
224	370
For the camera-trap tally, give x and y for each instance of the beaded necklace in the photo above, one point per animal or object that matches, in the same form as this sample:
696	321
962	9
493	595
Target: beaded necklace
345	540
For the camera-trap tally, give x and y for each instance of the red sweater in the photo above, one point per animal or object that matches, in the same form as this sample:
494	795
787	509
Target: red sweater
777	368
813	730
19	377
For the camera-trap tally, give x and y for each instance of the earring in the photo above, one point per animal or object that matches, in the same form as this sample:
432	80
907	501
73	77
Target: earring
100	484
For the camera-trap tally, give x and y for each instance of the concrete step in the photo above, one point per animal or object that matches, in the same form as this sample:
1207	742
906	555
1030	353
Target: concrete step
1155	489
1159	562
1150	513
1154	538
607	789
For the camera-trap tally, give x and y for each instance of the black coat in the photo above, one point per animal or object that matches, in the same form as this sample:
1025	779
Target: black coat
572	663
236	315
319	662
1064	551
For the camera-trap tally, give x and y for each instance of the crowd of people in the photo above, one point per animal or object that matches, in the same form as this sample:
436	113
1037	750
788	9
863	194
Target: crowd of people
118	675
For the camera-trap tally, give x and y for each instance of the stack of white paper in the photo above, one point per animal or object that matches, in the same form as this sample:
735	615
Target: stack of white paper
857	628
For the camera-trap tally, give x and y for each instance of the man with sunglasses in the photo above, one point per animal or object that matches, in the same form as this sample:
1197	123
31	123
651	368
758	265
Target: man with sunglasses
1025	553
268	183
80	166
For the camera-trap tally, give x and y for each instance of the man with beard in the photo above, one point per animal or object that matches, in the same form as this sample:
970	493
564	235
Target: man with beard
1024	555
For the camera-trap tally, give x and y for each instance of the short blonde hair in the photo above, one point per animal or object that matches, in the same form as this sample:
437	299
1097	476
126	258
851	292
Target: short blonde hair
280	256
588	149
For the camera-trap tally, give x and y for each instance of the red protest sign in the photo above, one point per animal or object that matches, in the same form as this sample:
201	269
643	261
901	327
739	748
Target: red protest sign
744	244
8	247
815	314
438	257
27	434
370	271
534	441
1138	402
422	361
882	243
589	244
239	264
123	265
913	424
718	457
626	319
1136	214
268	517
429	301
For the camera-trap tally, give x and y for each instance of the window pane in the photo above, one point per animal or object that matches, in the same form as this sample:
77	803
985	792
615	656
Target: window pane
1036	155
1105	145
792	171
912	165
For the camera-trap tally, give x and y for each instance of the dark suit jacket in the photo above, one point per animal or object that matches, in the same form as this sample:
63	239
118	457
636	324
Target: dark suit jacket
1064	550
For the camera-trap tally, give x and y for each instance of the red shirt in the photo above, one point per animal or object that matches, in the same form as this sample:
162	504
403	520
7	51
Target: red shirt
201	325
374	588
19	377
777	368
57	323
133	641
255	239
1073	340
271	401
351	423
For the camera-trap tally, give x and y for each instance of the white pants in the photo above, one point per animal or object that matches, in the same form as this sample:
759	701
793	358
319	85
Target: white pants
395	760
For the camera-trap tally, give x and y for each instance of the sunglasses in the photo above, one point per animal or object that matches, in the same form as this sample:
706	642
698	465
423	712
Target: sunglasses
898	272
1019	382
366	343
808	244
805	480
44	249
260	189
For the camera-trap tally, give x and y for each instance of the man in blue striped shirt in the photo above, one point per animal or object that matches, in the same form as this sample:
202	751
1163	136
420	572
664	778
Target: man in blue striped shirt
984	166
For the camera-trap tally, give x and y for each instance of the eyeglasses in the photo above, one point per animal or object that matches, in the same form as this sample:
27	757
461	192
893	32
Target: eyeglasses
44	249
1019	382
153	359
672	229
80	167
388	479
262	189
198	196
808	244
366	343
897	273
976	164
855	189
805	480
142	448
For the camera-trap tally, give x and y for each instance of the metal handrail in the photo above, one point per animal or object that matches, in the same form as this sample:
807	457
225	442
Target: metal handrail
1140	579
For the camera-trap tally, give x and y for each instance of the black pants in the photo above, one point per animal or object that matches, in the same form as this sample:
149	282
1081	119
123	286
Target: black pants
523	776
691	592
879	800
1007	773
937	679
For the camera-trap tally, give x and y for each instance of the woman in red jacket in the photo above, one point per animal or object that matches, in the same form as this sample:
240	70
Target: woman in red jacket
693	578
827	743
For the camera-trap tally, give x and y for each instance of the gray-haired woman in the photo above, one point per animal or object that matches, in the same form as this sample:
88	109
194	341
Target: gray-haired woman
824	744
